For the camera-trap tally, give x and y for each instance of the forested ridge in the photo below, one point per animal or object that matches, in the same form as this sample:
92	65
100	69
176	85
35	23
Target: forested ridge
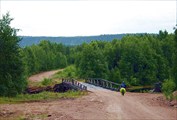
77	40
141	59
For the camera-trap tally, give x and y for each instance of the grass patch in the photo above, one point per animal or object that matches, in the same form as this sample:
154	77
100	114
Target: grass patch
34	117
68	72
31	117
46	81
41	96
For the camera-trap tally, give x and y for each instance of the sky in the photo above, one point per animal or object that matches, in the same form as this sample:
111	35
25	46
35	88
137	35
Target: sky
85	18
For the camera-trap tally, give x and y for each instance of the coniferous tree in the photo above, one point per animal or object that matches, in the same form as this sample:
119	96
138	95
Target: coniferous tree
12	81
175	59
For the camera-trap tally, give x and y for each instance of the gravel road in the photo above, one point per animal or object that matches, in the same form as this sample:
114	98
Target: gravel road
99	104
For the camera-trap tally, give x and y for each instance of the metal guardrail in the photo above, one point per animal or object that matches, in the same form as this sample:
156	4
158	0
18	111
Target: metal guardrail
74	83
103	83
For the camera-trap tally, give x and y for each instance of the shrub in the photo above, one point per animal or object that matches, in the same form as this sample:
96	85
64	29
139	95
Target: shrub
168	87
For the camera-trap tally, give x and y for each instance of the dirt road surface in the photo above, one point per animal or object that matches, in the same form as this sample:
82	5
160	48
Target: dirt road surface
100	104
41	76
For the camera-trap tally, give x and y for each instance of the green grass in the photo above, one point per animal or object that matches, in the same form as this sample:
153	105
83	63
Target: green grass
68	72
33	117
46	81
40	97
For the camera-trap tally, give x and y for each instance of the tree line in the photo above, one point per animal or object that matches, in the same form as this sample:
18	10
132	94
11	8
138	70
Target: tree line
44	56
137	60
141	59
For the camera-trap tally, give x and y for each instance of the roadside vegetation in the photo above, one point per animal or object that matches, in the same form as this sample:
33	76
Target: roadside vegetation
43	96
45	82
69	72
168	87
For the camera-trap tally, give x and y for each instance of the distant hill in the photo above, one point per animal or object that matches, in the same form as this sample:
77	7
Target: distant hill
30	40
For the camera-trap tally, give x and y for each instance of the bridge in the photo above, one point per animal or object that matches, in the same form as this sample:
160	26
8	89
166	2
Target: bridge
74	84
103	83
94	81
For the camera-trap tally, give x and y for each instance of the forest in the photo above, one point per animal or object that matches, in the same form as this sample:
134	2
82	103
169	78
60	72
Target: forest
77	40
141	59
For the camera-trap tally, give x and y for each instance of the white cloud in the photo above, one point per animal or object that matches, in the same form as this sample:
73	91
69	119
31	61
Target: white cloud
75	18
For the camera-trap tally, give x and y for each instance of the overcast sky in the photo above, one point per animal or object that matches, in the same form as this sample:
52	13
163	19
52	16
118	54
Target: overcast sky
80	18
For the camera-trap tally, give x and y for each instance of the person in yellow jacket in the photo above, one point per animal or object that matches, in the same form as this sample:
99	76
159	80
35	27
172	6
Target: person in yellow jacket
122	88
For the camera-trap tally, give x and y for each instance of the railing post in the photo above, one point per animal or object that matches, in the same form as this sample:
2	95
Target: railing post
72	81
99	82
106	84
111	85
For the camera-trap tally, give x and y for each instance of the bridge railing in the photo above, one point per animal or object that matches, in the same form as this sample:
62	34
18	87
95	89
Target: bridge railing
103	83
74	83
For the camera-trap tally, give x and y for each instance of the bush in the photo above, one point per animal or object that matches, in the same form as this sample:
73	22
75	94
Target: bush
168	87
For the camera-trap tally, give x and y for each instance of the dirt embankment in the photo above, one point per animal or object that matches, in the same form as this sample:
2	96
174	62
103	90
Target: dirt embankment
98	105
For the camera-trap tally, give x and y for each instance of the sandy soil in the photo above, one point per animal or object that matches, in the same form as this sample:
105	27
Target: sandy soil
100	104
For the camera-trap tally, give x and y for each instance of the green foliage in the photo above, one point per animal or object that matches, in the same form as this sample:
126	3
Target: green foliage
46	81
168	87
175	58
91	62
12	79
115	75
43	57
134	81
136	59
68	72
41	96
